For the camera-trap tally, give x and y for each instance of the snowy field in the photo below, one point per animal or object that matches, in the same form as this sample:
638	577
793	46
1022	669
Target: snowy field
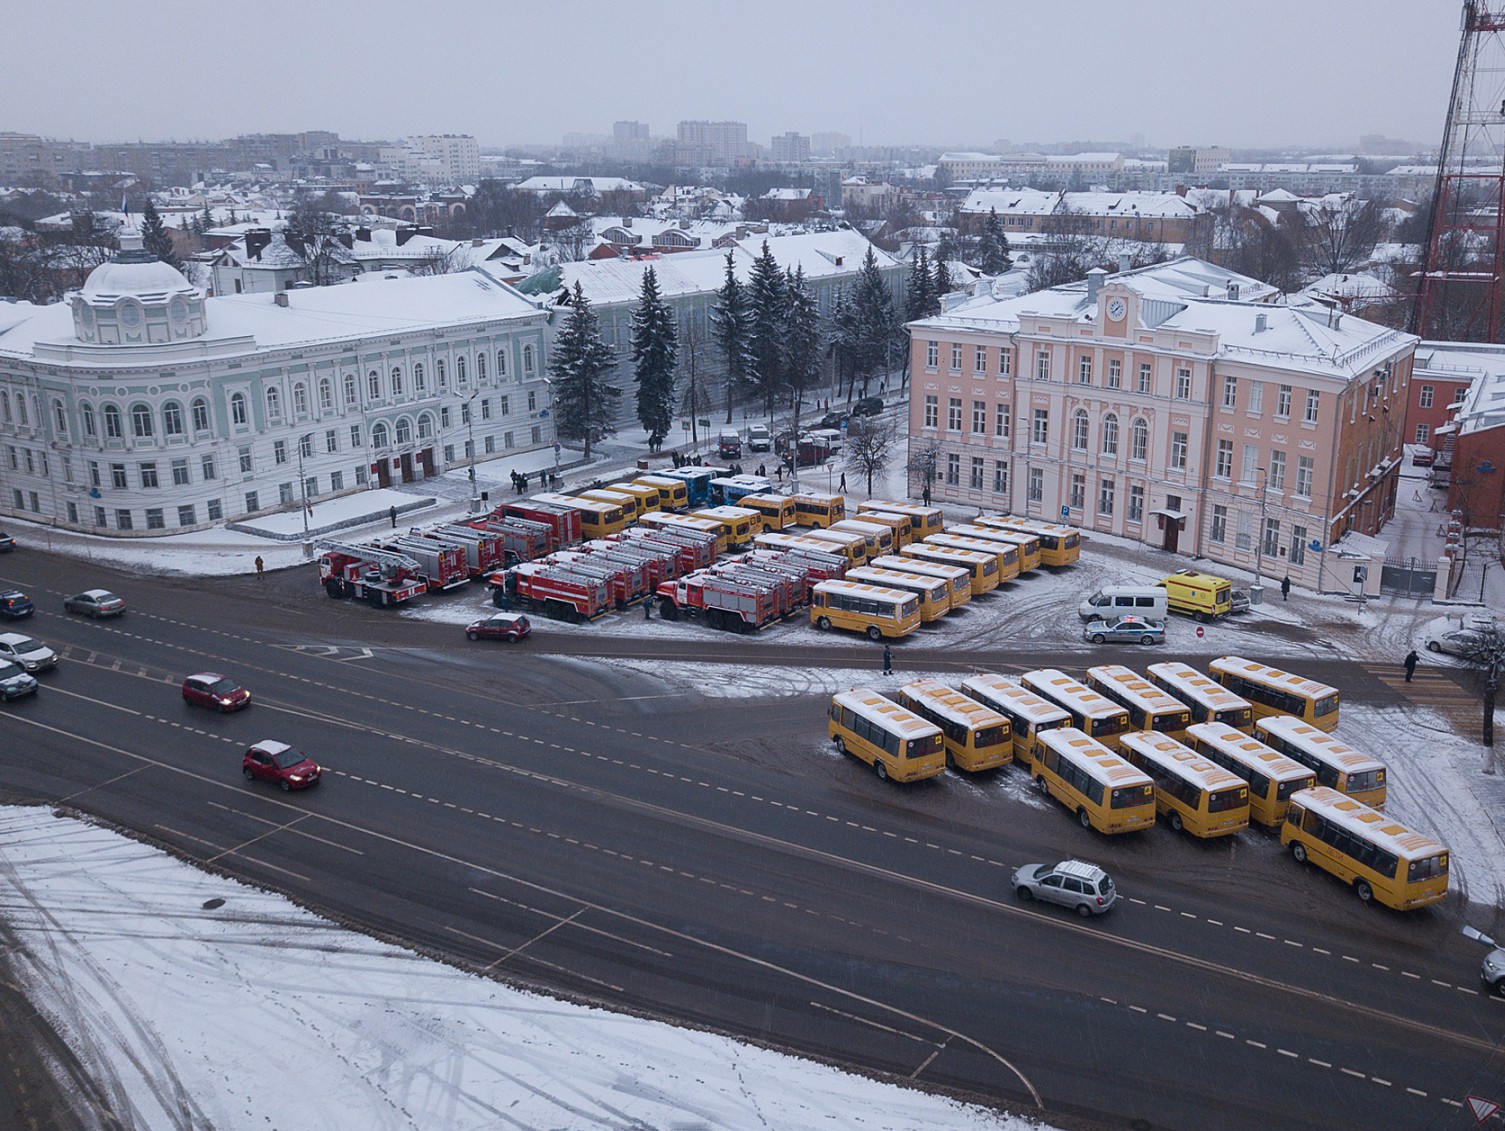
256	1013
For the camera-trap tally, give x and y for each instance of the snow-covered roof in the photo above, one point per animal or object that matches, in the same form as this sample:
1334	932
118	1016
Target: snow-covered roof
1351	286
1034	202
590	186
1482	364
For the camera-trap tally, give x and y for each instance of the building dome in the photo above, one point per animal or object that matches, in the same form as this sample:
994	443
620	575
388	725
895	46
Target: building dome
136	299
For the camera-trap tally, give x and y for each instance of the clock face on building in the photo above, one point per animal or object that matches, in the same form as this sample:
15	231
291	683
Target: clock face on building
1116	309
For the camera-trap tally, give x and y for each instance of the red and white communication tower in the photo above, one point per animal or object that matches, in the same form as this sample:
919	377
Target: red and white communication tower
1461	297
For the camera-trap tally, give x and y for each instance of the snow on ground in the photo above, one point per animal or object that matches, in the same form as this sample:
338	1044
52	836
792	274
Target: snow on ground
258	1013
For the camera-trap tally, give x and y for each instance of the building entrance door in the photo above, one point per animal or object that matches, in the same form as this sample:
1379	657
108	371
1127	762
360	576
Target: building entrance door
383	469
407	467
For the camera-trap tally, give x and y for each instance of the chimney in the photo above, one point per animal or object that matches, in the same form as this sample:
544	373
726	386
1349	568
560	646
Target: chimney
345	238
1261	323
1233	292
476	241
363	234
405	233
1125	263
1095	279
280	298
627	222
257	240
684	225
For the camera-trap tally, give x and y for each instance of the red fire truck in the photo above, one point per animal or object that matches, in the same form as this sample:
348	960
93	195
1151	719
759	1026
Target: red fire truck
554	590
733	604
369	574
564	522
443	567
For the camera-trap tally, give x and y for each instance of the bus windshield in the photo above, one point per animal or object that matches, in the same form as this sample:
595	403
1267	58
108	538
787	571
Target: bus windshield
1365	780
990	736
1327	705
1129	796
1224	799
1428	868
923	747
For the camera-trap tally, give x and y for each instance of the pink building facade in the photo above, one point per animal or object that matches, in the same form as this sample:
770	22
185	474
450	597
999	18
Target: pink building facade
1177	405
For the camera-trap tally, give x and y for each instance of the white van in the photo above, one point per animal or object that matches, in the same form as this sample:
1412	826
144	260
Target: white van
1121	600
833	437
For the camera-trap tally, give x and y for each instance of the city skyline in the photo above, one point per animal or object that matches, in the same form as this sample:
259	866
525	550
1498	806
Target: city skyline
1334	72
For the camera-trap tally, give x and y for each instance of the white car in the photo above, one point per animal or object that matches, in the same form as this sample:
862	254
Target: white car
1493	970
1084	887
1458	642
31	655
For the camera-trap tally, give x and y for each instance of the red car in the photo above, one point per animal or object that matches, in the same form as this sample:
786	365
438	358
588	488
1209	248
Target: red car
510	627
210	689
279	762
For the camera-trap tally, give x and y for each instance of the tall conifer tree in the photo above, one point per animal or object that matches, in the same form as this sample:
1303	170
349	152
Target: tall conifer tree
580	366
655	353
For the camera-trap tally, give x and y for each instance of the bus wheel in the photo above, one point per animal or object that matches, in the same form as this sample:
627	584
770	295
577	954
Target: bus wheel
1040	784
1363	891
874	633
824	624
880	769
1298	850
1176	822
1085	817
841	746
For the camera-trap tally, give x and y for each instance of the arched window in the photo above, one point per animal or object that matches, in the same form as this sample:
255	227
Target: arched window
1079	430
200	415
378	435
86	413
300	399
5	407
114	426
501	365
404	431
373	384
59	417
527	361
172	419
237	408
326	394
439	371
480	367
21	417
425	427
397	380
1139	439
141	422
420	379
459	371
274	404
1110	435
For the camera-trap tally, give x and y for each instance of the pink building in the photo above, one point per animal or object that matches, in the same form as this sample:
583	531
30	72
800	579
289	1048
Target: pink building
1178	405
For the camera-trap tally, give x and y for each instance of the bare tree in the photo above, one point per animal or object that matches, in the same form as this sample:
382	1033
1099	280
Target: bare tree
870	447
1340	235
923	460
442	261
312	234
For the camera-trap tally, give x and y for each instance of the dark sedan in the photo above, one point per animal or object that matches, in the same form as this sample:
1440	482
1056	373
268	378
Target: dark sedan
15	605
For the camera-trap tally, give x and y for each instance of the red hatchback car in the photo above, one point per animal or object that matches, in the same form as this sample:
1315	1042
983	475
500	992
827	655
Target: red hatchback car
278	762
210	689
510	627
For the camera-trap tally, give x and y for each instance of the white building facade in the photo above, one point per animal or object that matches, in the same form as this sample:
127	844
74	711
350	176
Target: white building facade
140	407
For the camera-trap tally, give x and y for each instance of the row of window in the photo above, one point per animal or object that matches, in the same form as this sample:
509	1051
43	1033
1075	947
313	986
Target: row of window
1270	535
1274	474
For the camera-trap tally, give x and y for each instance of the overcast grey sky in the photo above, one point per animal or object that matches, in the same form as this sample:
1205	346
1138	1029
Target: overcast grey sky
948	72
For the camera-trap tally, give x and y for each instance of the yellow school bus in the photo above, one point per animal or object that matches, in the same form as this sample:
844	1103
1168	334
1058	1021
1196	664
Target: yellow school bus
957	579
1007	555
853	546
658	519
784	540
898	524
1059	545
1336	764
1192	793
1027	713
630	504
673	494
879	538
597	518
741	524
934	592
982	569
1104	791
923	521
1274	692
1273	778
898	744
816	508
1093	714
648	497
1379	856
878	611
1028	545
777	511
1149	707
975	736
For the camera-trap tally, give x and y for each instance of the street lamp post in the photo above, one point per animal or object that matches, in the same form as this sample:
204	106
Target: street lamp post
470	424
303	485
1257	590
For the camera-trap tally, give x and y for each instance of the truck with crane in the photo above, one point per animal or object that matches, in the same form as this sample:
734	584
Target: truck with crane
368	573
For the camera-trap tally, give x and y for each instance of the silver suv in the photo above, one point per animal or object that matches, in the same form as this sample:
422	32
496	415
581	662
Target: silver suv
1071	883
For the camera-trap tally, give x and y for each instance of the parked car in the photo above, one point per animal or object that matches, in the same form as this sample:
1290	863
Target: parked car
1125	630
7	543
510	627
14	605
1458	642
833	420
31	655
729	444
210	689
278	762
1071	883
95	603
1493	970
868	406
15	682
759	438
1423	457
1238	601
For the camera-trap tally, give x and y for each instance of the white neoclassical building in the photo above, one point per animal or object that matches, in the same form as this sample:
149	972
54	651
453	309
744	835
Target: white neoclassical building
140	407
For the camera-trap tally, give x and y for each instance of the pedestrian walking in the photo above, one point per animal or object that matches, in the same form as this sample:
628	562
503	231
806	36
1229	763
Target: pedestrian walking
888	660
1410	664
392	514
762	471
1285	588
648	608
843	486
780	470
925	495
261	566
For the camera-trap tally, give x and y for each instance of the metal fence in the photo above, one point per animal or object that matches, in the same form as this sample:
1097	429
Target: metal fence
1408	577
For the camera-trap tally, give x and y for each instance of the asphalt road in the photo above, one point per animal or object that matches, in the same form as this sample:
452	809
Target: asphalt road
568	825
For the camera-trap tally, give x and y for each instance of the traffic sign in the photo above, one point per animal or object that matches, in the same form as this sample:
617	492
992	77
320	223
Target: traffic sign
1201	632
556	448
1065	512
1482	1108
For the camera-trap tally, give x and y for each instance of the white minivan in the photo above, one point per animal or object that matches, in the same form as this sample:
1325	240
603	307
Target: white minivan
1121	600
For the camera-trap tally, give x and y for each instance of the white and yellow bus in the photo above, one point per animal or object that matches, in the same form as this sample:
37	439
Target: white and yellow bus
785	540
1091	713
1149	707
1059	545
1104	791
898	744
657	520
1208	700
975	736
934	593
1273	778
923	521
897	524
1192	793
1336	764
1379	856
879	538
1027	544
1026	712
627	501
1007	555
648	497
878	611
777	511
982	569
817	508
673	494
957	579
741	524
597	519
1273	692
852	546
